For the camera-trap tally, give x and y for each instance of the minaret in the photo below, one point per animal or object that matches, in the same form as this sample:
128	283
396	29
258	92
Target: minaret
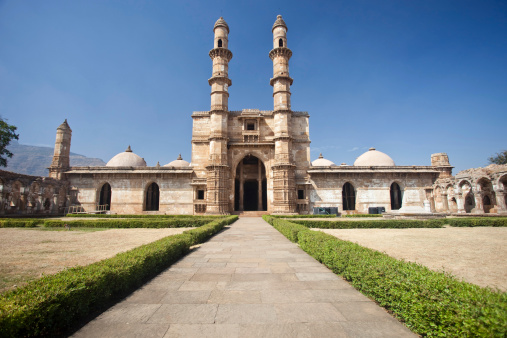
61	155
217	169
284	187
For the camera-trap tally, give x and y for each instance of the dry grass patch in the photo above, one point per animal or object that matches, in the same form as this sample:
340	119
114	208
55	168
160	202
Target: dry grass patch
29	253
478	255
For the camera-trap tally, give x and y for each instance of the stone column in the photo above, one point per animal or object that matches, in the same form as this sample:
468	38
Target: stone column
500	201
445	202
479	207
241	188
460	202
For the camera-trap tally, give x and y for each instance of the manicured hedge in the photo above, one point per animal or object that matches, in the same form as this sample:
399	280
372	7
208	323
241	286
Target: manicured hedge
370	224
477	222
51	305
305	216
430	303
141	216
20	223
132	223
363	215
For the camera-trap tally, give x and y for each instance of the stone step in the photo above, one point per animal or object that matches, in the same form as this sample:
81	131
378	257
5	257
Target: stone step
250	213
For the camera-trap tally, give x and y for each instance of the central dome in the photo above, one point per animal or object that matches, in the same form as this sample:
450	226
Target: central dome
374	158
126	159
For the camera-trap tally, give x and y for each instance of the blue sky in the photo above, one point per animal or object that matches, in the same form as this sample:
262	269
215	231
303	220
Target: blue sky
410	78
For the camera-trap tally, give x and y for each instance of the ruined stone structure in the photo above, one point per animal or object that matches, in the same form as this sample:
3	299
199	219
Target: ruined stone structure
259	160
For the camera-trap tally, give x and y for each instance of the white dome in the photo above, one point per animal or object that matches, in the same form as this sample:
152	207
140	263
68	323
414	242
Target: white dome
322	162
179	162
374	158
126	159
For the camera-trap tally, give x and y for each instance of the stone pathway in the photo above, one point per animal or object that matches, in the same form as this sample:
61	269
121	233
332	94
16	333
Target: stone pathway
247	281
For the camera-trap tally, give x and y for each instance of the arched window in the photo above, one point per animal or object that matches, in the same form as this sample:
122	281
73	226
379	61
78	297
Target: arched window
280	43
152	197
219	42
395	196
348	197
105	196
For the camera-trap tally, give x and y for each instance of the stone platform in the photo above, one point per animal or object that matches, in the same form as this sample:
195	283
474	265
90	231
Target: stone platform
247	281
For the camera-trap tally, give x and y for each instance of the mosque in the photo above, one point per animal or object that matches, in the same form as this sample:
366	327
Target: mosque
259	161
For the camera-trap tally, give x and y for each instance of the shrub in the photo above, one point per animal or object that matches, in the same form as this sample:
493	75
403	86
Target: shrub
141	216
20	223
431	303
305	216
131	223
363	215
51	305
288	229
380	224
477	222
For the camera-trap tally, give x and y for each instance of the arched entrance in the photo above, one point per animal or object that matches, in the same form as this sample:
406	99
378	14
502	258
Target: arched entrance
348	197
105	196
250	185
396	197
152	197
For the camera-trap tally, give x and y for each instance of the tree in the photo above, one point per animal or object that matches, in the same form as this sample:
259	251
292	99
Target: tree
7	133
499	158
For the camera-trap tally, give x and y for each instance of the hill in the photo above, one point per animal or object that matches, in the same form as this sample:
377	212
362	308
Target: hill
33	160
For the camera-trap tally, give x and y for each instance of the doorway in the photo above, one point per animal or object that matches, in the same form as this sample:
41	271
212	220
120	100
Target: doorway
250	185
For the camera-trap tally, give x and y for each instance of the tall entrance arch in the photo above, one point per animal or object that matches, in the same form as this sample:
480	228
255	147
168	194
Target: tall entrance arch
250	185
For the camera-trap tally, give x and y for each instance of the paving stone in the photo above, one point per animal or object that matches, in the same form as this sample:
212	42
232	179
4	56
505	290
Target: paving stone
246	313
235	297
203	330
287	296
185	314
211	277
377	330
197	286
363	311
125	312
253	270
307	312
288	330
103	329
221	270
311	276
342	295
142	296
185	297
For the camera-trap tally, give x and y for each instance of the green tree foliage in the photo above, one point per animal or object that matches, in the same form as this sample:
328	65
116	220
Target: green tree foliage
7	133
499	158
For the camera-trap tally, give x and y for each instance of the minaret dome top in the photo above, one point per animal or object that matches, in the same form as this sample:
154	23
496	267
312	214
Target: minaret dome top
279	22
221	23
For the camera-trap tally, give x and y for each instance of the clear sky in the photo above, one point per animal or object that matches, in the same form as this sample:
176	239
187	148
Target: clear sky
410	78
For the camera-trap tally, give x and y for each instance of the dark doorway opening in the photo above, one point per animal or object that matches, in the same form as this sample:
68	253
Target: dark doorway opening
152	197
469	203
396	197
251	196
105	196
349	197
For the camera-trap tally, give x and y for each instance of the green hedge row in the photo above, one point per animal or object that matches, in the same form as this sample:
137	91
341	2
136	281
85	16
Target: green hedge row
370	224
363	215
53	304
304	216
20	223
132	223
141	216
430	303
477	222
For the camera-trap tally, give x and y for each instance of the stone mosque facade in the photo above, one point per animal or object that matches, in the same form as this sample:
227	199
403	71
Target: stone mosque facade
258	160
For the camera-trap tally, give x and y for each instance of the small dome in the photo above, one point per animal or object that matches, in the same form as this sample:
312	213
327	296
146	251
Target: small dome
126	159
374	158
279	22
179	162
322	162
221	23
